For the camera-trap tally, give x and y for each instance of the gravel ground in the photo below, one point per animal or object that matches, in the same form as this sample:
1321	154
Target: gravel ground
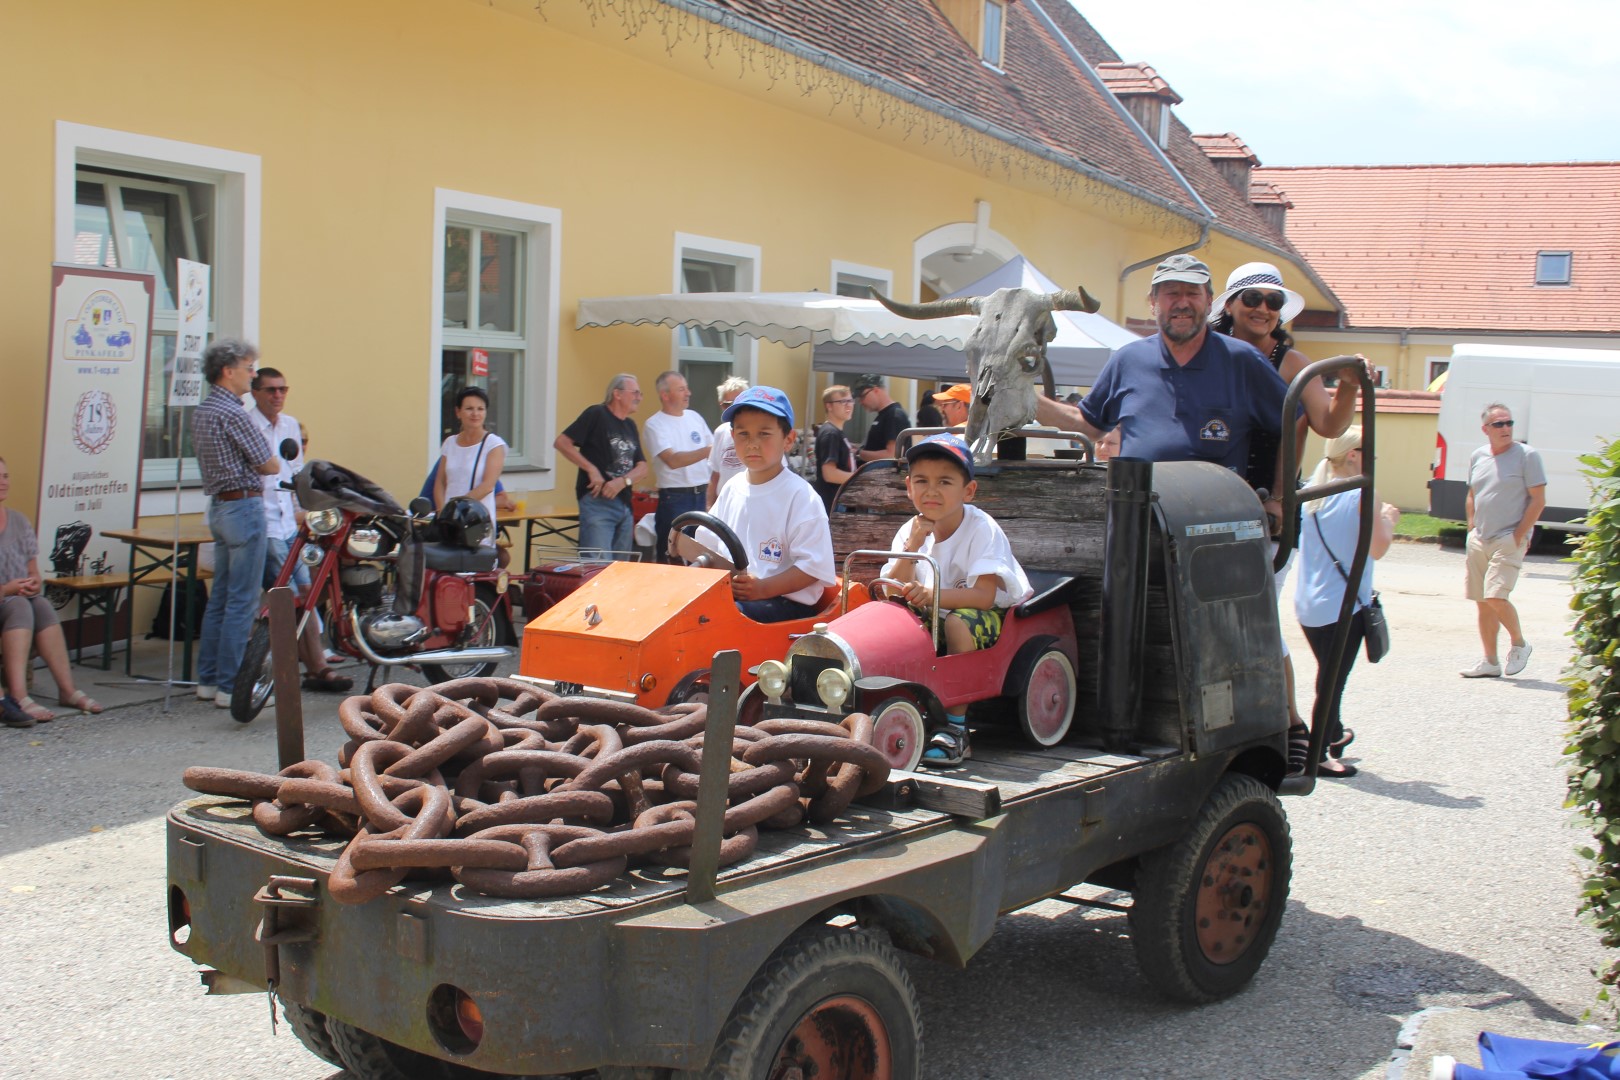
1443	875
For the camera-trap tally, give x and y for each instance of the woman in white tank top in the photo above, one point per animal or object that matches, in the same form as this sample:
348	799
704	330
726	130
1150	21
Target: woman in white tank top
470	461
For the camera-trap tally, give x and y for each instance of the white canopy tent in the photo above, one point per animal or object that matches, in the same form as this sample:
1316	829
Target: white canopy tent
1084	339
794	318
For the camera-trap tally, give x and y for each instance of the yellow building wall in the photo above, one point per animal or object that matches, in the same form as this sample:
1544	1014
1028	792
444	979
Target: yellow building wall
1405	452
359	111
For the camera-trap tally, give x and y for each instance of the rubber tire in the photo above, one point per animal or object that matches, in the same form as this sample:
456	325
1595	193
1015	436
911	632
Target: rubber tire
1024	723
1163	930
815	963
920	743
256	677
310	1027
484	595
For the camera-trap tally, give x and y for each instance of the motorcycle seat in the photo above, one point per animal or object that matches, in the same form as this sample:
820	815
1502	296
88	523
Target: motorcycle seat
449	559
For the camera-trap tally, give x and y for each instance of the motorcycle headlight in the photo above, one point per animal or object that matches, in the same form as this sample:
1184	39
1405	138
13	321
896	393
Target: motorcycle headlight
833	687
364	543
324	522
312	556
773	678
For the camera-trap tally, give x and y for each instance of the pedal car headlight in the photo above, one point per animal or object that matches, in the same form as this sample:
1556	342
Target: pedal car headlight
833	687
324	522
773	678
364	543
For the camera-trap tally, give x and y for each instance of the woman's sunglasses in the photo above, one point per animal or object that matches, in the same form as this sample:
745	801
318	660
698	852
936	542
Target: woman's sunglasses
1254	298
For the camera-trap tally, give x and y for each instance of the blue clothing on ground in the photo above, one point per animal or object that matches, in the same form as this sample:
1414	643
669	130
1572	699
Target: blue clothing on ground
239	532
1320	589
1507	1058
1201	411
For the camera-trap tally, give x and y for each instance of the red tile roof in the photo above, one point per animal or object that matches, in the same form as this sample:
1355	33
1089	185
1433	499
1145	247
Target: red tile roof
1226	146
1261	191
1453	247
1136	79
1039	94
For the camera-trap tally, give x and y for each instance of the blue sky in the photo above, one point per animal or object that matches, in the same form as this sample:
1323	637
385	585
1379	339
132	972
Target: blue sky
1386	81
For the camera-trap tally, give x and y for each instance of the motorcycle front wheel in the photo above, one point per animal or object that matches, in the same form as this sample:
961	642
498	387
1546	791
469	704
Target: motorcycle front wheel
256	677
495	629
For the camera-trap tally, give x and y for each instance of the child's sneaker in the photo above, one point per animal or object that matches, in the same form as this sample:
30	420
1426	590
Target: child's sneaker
947	746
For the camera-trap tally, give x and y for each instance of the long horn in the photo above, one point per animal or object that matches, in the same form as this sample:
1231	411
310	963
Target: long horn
1070	300
934	309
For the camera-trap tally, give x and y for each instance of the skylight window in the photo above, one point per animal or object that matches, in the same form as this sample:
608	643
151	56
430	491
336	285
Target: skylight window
1552	267
995	20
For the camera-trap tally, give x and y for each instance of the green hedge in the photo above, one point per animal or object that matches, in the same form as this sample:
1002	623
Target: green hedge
1594	705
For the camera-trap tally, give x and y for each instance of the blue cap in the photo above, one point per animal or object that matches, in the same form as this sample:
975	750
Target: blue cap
765	399
944	445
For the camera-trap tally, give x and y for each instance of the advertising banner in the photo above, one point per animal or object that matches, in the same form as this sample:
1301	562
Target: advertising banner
186	386
95	405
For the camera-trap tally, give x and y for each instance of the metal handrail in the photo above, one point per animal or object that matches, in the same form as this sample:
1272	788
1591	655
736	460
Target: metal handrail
901	440
1291	497
915	556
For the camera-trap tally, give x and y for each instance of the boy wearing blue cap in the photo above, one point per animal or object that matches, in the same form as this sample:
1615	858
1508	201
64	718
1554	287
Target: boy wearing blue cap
777	515
980	577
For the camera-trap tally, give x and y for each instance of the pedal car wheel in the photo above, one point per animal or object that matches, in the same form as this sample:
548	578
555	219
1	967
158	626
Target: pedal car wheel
1207	907
693	686
829	1002
899	732
1046	703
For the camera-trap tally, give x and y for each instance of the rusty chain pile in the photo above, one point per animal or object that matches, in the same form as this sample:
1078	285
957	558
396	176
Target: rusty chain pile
517	792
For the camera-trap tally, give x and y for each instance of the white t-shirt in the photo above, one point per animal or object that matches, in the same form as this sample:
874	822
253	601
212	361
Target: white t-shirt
688	431
458	473
723	458
782	524
280	516
977	547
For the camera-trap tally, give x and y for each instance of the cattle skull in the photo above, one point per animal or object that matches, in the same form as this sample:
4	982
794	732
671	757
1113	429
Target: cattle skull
1005	353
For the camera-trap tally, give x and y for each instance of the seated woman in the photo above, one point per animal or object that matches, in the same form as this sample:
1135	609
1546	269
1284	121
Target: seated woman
27	616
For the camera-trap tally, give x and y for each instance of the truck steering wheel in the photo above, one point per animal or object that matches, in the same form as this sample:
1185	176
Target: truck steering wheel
734	546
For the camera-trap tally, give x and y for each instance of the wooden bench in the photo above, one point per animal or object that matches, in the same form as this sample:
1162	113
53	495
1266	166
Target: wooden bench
97	594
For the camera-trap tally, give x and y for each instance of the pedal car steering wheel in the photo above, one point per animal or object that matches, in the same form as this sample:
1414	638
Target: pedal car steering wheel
887	588
734	546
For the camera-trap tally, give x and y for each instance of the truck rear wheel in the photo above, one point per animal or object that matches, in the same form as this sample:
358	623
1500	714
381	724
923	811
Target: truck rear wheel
829	1002
1207	907
368	1057
310	1027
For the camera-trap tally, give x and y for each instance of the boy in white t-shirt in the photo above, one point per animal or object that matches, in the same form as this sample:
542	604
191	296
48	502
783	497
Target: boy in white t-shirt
777	515
981	578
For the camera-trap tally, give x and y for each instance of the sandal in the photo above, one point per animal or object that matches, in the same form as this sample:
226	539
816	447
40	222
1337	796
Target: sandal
947	746
81	701
11	716
37	712
1336	769
328	681
1299	748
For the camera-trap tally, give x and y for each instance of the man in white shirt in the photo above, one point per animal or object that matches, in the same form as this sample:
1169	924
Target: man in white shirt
281	430
677	442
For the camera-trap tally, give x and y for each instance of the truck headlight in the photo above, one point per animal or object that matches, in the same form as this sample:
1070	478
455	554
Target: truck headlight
773	678
324	522
833	687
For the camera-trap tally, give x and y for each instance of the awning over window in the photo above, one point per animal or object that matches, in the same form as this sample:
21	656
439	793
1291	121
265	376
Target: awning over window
803	318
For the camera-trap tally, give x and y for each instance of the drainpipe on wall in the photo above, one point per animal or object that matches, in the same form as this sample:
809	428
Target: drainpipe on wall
1153	260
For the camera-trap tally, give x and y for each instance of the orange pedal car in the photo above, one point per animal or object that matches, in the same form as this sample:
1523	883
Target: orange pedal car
651	631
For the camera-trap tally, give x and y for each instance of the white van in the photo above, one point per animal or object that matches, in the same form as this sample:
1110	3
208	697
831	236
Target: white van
1565	403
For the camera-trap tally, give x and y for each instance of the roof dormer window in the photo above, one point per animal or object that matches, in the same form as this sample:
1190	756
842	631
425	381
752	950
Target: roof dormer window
1552	267
995	32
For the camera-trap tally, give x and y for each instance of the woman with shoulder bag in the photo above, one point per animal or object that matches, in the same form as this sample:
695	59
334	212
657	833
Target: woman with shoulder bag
471	460
1327	544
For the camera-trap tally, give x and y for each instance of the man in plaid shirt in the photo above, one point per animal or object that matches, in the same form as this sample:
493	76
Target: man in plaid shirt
233	456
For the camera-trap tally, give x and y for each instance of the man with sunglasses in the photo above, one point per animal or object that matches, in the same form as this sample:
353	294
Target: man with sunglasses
1507	489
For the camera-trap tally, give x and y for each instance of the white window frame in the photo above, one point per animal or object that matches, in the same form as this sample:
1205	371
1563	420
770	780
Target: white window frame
541	227
746	259
236	179
1569	269
1430	363
874	276
999	60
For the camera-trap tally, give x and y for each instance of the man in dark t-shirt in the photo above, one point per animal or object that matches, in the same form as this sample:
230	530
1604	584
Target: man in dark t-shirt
890	421
835	458
606	445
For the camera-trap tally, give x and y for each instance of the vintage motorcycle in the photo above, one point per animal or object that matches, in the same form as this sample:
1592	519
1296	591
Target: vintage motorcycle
397	587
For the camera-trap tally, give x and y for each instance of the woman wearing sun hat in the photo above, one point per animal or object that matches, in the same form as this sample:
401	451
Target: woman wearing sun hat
1253	308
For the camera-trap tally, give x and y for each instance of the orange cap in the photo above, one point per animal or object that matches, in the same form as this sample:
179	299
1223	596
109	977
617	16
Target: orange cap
960	392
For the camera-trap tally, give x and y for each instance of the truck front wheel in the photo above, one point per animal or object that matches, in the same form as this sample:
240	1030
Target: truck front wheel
1207	907
829	1002
368	1057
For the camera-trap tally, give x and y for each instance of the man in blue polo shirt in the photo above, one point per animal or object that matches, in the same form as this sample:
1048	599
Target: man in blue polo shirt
1184	394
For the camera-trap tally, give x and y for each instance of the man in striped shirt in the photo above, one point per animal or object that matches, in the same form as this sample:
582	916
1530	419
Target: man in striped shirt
233	457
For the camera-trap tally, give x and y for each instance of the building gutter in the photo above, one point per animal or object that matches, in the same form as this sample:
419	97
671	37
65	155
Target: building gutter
727	20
